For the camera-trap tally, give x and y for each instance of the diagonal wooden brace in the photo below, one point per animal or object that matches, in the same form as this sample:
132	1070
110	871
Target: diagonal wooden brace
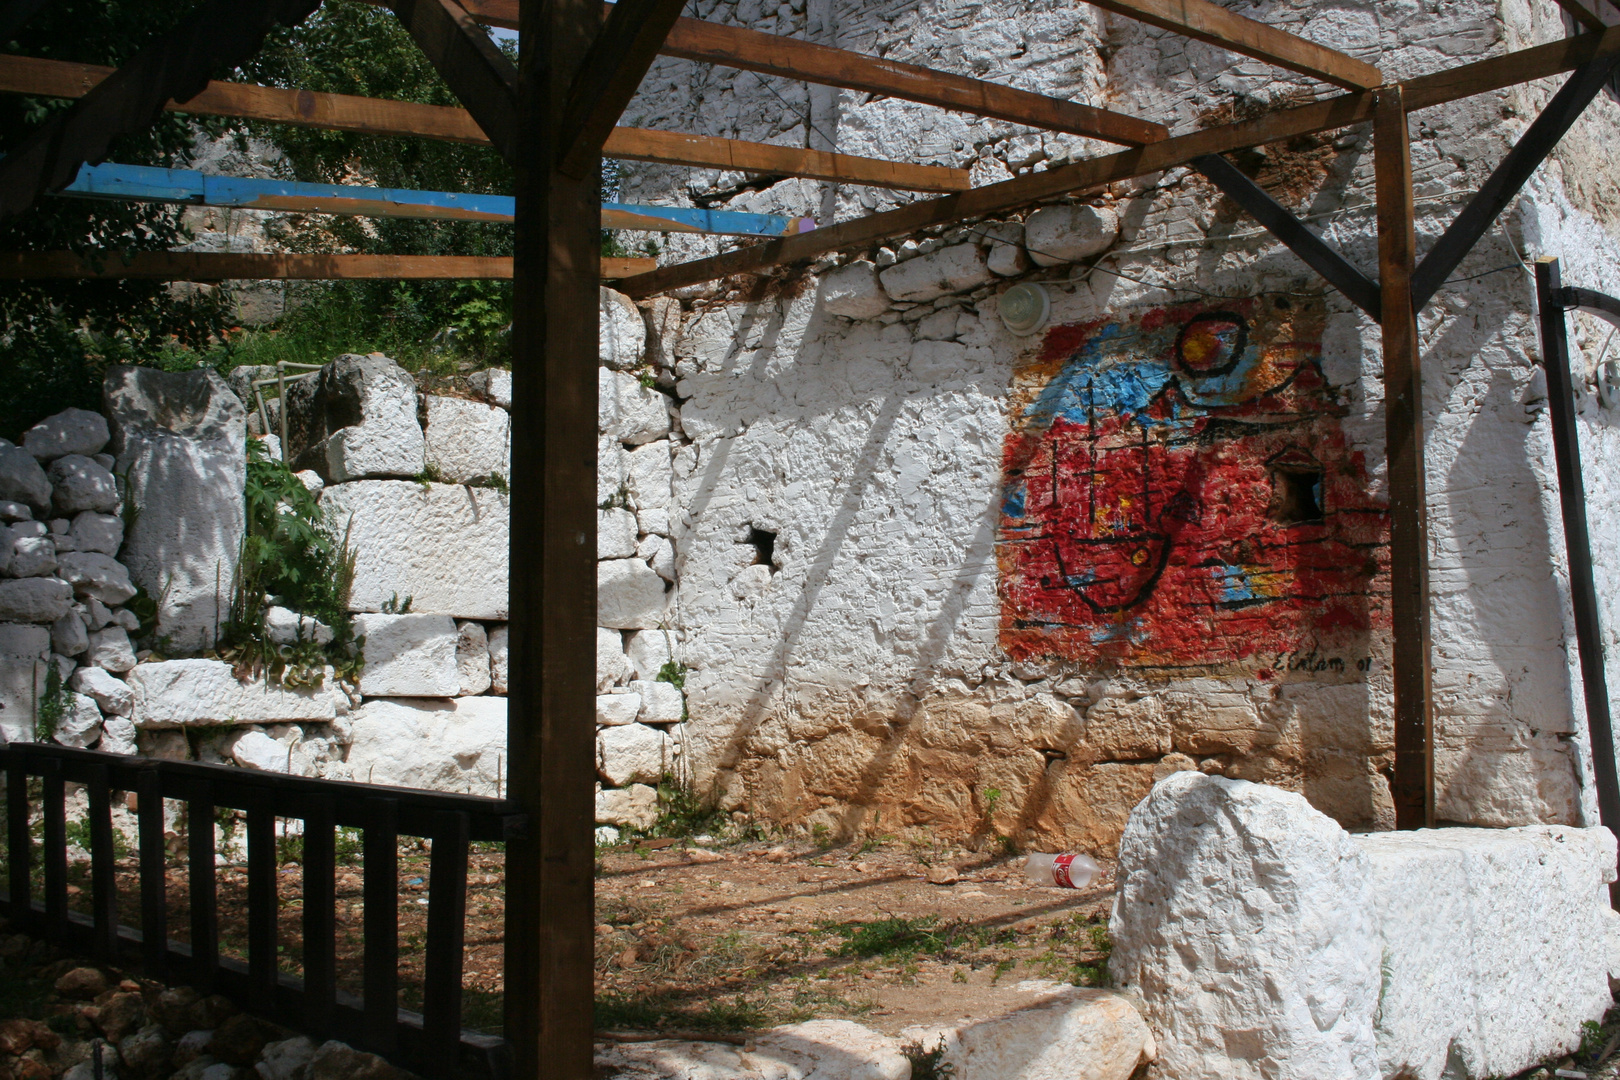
477	72
608	77
1339	272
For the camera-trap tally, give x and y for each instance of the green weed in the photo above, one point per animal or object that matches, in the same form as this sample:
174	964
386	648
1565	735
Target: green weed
928	1064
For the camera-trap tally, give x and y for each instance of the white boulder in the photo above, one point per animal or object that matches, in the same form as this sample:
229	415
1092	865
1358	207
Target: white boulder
650	478
180	441
93	574
94	531
632	753
497	659
611	664
71	431
953	269
1245	922
472	658
117	736
254	749
24	653
110	650
80	723
111	693
32	556
612	464
445	745
661	702
1471	918
629	594
615	709
35	600
284	626
442	545
634	807
659	553
615	533
853	291
68	635
628	411
621	331
79	484
494	385
814	1050
206	693
23	481
1069	232
355	420
649	651
1006	248
408	655
467	440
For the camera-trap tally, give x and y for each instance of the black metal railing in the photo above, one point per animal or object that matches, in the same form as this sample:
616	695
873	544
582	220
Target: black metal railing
431	1043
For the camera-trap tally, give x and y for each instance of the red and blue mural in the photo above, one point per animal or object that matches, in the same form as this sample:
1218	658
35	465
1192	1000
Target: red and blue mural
1178	493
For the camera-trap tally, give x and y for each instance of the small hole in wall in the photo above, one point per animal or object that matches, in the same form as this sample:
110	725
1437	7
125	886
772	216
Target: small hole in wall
763	542
1298	496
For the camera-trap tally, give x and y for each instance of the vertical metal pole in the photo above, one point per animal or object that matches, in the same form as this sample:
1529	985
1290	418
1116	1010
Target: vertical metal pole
1412	787
1578	545
551	739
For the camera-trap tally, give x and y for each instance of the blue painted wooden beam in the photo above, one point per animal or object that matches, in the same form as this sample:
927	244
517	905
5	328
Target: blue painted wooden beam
112	181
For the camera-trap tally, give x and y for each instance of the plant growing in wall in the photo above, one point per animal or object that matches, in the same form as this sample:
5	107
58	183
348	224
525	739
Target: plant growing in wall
290	552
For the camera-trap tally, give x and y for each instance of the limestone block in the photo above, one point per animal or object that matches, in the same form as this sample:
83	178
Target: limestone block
649	651
1069	232
953	269
14	511
283	626
110	649
71	431
311	480
180	442
23	481
612	466
409	655
80	484
466	440
472	658
68	635
80	724
853	291
634	807
1245	921
615	534
1061	1032
355	420
497	659
93	531
494	385
661	702
629	595
445	745
93	574
632	753
658	553
814	1050
40	599
117	736
1122	729
613	710
655	522
621	331
443	545
628	411
111	693
1470	917
611	664
24	652
935	360
940	326
201	693
253	749
650	477
32	556
1006	256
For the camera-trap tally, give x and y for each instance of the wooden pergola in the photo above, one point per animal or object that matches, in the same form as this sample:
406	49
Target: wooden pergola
553	118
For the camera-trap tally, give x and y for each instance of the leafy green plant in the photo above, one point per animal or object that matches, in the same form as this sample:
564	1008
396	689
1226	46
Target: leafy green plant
393	605
53	704
928	1064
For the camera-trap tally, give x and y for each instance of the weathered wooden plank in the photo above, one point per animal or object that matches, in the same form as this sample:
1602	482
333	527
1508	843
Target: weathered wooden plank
103	868
477	72
446	943
53	850
373	116
216	35
381	906
201	844
19	846
226	266
805	61
263	908
154	875
1412	785
608	77
1210	22
320	916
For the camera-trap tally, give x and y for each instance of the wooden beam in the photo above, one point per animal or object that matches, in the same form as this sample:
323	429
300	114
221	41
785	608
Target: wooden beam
217	34
1312	249
608	77
1335	112
477	72
1505	181
1412	785
550	869
1210	22
805	61
225	266
374	116
1583	15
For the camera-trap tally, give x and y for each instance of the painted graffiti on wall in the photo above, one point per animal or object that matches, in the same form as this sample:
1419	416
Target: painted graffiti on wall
1178	493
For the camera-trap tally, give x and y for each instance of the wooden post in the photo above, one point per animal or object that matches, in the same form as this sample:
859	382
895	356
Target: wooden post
550	731
1413	784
